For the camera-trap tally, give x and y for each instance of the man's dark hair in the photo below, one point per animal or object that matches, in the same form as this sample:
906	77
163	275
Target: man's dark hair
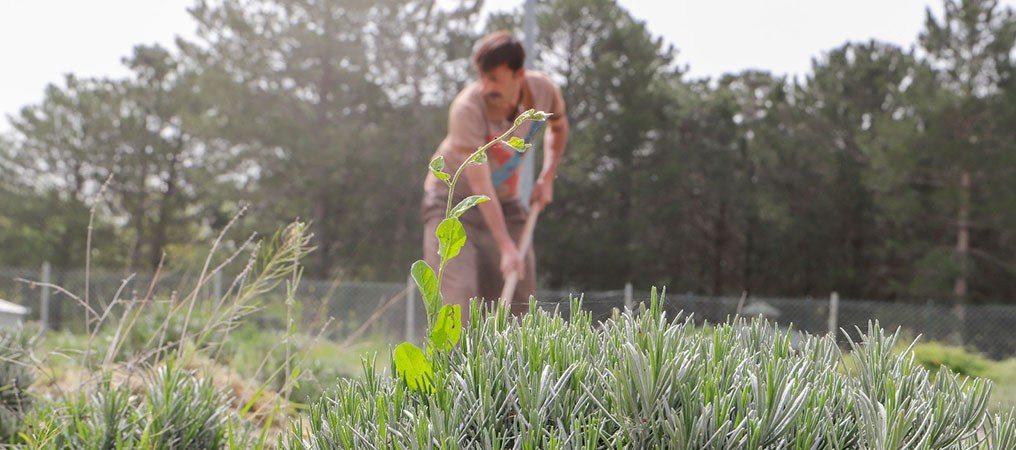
497	48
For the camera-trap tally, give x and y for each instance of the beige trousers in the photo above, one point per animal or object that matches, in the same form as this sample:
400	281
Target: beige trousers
476	270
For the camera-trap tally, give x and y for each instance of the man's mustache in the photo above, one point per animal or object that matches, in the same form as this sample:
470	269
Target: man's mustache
493	95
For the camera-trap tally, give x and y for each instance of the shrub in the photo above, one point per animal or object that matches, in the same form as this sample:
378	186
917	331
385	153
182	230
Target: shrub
643	381
177	410
15	377
933	355
105	419
184	412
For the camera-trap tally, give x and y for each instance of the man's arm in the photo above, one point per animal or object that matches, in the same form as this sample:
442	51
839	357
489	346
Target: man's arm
554	141
480	183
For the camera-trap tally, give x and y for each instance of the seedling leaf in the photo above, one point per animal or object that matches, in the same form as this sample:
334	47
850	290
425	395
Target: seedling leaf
426	281
413	367
469	202
518	144
479	158
447	328
451	237
437	166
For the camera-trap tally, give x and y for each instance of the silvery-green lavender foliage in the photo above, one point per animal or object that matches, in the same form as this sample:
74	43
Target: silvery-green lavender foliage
176	411
645	381
16	376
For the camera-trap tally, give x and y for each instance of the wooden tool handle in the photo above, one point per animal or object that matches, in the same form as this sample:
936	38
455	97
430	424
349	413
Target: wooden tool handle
527	238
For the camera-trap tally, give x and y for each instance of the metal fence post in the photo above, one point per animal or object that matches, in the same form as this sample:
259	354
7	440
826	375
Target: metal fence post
960	313
628	292
410	310
809	310
834	312
44	297
927	319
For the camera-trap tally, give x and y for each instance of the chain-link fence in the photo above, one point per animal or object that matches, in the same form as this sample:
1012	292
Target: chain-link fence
354	309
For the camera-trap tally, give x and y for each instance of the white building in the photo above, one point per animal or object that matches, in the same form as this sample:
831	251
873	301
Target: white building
11	314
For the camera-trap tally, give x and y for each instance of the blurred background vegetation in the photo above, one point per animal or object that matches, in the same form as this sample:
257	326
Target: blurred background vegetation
885	173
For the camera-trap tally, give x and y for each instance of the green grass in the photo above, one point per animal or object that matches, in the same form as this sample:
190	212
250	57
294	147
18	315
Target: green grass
932	355
1003	395
255	353
251	353
966	362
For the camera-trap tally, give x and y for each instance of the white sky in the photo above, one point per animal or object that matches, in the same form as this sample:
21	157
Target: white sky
40	40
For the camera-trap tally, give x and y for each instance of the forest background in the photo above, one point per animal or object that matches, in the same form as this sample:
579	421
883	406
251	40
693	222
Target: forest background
885	173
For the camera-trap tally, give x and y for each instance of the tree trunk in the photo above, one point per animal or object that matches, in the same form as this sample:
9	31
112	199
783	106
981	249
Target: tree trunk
752	219
137	222
321	219
963	238
719	242
159	240
749	249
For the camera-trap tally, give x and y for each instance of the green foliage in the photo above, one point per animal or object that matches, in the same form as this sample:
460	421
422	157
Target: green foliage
30	232
437	166
177	410
447	328
159	323
646	381
130	388
183	412
413	367
933	355
16	375
255	353
426	281
845	179
327	363
103	420
452	237
518	144
130	128
467	203
314	146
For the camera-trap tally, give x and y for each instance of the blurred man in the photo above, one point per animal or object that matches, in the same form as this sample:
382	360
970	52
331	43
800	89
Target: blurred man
481	112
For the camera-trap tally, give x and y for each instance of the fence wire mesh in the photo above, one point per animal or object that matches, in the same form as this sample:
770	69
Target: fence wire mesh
381	309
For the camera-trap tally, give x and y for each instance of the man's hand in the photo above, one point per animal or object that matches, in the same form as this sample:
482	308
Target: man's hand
511	260
543	193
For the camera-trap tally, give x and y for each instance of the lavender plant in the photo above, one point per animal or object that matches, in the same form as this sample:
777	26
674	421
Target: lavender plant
646	380
16	376
176	410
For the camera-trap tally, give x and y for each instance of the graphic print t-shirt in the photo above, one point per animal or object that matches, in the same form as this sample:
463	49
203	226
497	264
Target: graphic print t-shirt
469	128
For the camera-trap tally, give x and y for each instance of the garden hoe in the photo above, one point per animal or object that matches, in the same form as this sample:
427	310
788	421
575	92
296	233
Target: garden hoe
527	238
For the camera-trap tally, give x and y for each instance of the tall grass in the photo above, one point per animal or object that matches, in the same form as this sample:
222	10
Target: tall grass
148	374
16	375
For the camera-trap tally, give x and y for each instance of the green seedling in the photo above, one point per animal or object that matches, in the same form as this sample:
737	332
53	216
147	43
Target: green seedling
444	323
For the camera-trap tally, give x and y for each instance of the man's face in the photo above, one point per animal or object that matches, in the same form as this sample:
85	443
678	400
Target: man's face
501	86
